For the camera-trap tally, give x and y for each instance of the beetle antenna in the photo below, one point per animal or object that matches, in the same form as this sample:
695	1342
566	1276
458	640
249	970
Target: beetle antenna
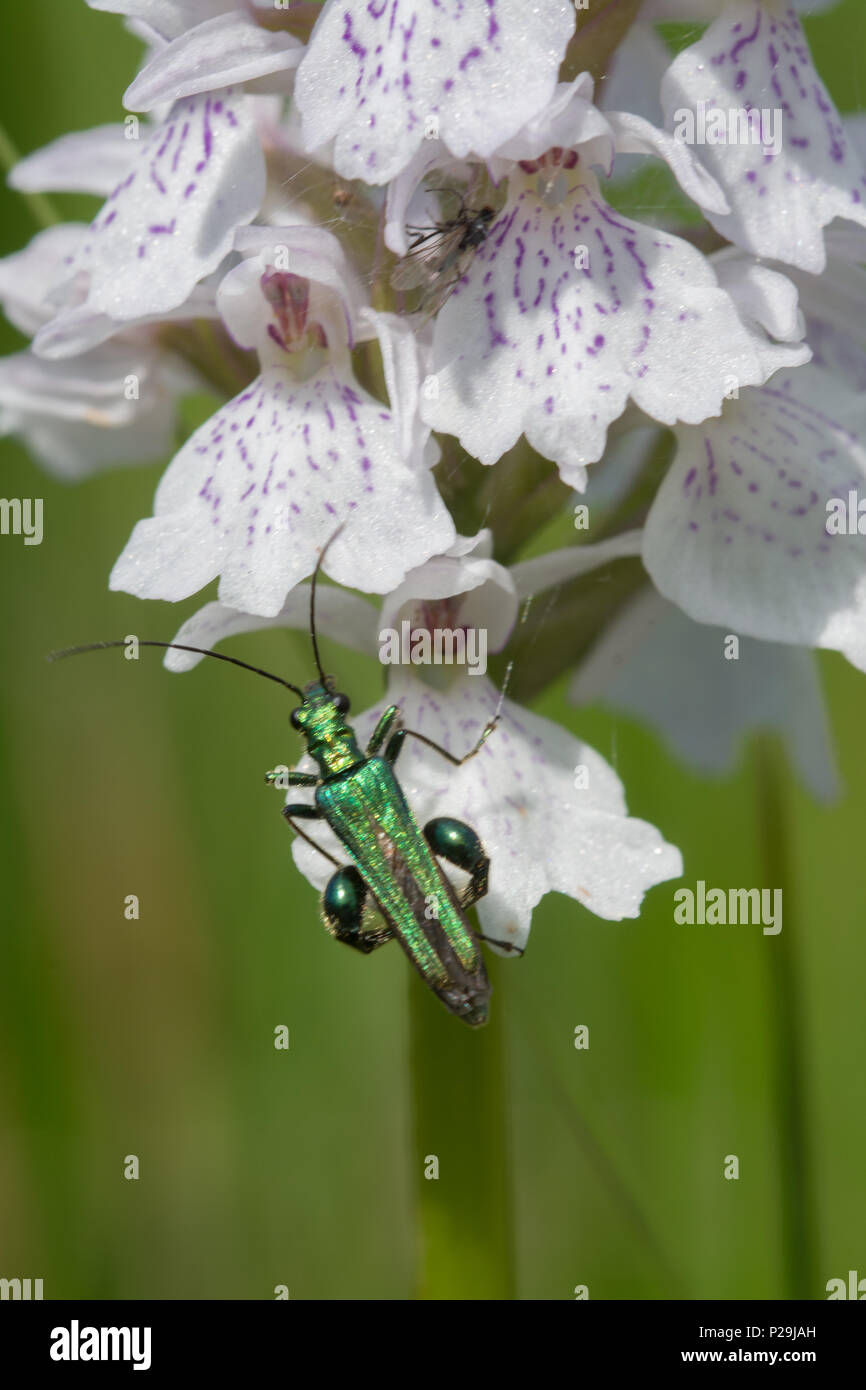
333	536
177	647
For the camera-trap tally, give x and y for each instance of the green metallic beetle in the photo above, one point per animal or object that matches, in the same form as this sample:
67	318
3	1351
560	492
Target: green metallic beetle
394	866
394	871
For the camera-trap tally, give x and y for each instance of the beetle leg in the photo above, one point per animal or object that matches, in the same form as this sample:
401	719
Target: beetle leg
343	905
457	842
300	811
382	730
284	777
455	762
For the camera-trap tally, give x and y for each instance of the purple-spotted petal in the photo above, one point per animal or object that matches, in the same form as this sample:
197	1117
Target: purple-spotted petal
755	55
380	75
256	492
589	848
569	311
222	52
196	177
737	535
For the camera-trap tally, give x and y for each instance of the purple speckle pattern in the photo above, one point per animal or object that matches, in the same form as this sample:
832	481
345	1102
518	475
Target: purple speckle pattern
169	222
738	532
541	341
258	489
755	57
378	72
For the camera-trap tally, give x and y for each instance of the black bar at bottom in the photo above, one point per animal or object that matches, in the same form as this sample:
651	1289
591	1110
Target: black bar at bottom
81	1338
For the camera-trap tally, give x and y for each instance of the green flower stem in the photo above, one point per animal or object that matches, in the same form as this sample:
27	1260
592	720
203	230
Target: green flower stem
207	347
460	1121
43	210
632	510
796	1184
562	624
600	31
516	498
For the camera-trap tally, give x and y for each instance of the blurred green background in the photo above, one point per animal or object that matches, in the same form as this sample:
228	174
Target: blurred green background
155	1037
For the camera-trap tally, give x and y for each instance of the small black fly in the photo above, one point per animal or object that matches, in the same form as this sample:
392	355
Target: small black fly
440	255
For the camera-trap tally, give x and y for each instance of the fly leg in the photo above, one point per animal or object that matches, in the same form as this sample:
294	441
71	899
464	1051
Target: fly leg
343	905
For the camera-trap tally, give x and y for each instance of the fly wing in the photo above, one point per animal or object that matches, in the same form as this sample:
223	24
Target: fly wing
424	262
367	810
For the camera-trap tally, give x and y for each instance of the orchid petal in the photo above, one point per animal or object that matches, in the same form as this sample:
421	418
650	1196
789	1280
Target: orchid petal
781	201
535	341
489	599
558	566
738	533
25	274
568	120
634	135
167	17
378	76
173	218
86	161
657	665
256	492
346	618
81	416
222	52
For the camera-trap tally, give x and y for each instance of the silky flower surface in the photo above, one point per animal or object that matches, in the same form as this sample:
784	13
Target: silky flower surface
194	179
378	78
549	810
386	236
755	55
738	533
114	404
256	491
570	309
673	674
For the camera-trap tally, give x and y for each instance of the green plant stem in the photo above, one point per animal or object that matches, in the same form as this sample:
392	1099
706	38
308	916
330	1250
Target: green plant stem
460	1119
795	1167
600	31
43	210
